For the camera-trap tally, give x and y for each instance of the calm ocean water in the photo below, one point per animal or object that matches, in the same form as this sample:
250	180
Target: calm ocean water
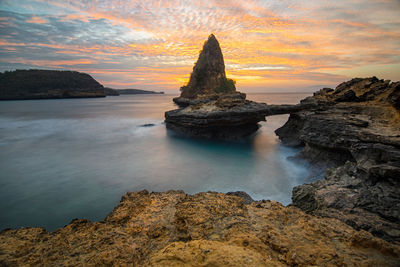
75	158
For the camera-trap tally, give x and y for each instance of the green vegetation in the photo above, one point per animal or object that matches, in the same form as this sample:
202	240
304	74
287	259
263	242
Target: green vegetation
227	85
191	90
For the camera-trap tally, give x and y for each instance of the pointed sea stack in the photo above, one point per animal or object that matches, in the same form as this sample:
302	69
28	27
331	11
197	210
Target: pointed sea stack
208	74
211	106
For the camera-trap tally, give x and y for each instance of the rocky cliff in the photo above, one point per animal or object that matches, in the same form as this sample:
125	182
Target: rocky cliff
354	132
205	229
38	84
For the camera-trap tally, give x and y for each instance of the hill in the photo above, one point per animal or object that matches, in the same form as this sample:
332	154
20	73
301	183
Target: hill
39	84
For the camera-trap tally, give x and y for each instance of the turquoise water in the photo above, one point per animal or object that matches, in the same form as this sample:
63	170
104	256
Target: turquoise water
75	158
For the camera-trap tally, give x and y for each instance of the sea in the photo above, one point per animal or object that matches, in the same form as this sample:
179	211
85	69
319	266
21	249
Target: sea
62	159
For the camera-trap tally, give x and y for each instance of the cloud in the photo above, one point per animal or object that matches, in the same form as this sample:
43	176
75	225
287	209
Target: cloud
266	44
265	68
36	20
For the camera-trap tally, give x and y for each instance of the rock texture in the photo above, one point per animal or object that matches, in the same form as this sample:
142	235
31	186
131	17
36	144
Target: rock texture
206	229
210	105
38	84
208	74
355	131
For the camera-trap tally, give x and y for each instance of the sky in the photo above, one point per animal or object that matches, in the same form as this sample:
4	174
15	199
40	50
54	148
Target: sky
268	46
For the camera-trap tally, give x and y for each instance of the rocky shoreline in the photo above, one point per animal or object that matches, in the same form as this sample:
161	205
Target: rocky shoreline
205	229
348	215
350	139
353	132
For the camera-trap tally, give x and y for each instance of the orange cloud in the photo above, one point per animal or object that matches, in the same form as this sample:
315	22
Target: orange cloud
50	63
36	20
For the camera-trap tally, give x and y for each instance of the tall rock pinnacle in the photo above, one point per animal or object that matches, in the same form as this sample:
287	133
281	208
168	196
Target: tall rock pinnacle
208	74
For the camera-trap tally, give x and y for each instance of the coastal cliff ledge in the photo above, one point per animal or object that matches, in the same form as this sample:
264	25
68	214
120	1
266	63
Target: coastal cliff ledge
205	229
351	138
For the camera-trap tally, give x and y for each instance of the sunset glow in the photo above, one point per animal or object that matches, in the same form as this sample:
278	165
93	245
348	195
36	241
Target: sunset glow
268	46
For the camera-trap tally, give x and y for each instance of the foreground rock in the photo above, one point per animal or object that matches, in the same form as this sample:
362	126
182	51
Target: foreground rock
210	105
355	131
43	84
206	229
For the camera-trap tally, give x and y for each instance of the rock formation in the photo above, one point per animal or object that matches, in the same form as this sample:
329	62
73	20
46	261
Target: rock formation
205	229
38	84
228	117
211	106
208	76
355	131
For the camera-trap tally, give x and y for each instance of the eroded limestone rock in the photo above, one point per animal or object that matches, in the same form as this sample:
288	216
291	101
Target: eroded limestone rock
205	229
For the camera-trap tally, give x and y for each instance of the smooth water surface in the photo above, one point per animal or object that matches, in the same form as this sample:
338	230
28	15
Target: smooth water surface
75	158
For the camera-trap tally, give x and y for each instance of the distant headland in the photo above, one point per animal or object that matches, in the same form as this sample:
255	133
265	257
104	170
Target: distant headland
48	84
